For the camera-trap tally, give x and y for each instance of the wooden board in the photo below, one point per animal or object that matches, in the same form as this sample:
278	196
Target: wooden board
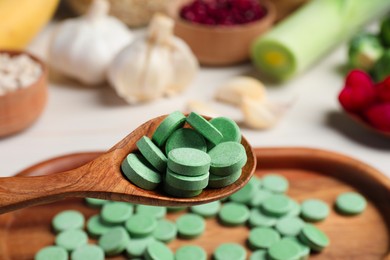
312	174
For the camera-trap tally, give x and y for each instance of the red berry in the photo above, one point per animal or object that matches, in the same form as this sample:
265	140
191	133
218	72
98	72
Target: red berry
378	116
358	77
223	12
358	92
383	90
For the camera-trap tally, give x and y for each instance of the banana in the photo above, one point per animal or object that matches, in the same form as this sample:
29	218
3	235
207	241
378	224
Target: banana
21	20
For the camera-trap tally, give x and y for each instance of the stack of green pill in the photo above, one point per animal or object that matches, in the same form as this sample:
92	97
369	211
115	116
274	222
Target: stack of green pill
187	160
278	227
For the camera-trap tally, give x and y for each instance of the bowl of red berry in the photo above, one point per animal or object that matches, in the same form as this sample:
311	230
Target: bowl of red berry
367	102
220	32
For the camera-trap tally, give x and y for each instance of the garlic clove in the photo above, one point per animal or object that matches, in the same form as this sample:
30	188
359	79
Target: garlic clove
239	88
262	114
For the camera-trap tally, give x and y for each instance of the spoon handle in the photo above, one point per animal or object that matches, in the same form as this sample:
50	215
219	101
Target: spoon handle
20	192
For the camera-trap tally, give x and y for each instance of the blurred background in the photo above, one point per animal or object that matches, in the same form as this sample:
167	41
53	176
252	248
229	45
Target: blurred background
289	64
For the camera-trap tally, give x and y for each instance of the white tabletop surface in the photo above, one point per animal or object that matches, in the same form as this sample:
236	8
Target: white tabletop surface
78	119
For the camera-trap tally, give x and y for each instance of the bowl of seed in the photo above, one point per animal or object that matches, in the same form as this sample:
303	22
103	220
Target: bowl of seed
23	91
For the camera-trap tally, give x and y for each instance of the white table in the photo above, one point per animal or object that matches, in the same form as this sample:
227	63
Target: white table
78	119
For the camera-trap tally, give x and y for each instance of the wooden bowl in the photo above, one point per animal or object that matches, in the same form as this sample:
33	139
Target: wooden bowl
222	45
312	173
19	109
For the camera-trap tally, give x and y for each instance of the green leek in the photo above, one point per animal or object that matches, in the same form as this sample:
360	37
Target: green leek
302	38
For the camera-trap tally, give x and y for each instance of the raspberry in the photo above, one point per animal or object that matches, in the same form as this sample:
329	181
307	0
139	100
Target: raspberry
358	92
378	116
383	90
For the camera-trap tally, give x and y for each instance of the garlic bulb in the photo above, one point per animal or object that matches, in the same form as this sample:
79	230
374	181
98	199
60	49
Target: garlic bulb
83	48
159	64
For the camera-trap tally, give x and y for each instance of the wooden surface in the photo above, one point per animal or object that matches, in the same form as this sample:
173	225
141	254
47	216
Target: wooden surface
102	178
312	174
209	43
19	109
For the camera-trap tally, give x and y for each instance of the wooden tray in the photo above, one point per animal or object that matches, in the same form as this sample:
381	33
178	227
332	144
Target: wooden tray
312	174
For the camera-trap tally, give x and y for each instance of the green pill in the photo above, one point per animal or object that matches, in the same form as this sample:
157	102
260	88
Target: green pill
51	253
183	182
258	219
245	194
165	231
277	205
289	226
228	128
169	125
314	210
71	239
205	128
262	238
154	211
95	203
230	251
179	192
185	137
158	251
284	249
152	153
88	252
275	183
140	172
97	227
207	210
313	237
189	161
141	225
259	197
190	253
114	241
68	219
216	181
190	225
227	158
350	203
116	212
259	255
233	214
304	249
137	246
295	210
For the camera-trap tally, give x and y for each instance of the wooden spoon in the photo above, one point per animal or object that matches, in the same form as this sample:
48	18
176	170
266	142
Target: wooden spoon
102	178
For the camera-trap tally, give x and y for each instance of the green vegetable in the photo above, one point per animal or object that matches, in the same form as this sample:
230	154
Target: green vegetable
381	68
384	33
364	50
298	41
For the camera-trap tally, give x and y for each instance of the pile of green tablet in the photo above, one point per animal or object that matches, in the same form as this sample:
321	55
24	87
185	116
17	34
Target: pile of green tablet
187	160
278	226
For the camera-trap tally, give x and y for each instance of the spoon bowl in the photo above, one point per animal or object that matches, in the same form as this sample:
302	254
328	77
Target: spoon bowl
102	178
